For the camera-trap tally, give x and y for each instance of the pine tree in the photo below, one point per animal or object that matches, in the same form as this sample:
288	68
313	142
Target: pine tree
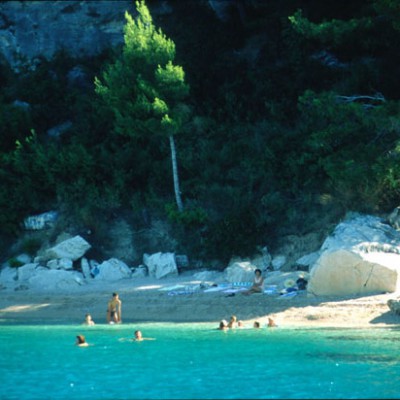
144	88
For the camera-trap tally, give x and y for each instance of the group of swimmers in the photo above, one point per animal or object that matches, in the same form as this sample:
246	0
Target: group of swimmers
114	312
113	316
138	337
235	323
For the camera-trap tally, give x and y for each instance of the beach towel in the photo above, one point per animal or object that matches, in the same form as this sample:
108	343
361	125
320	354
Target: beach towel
234	290
180	292
217	288
288	295
242	284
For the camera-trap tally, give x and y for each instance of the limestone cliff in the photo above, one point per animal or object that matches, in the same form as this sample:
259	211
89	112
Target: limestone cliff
32	29
29	29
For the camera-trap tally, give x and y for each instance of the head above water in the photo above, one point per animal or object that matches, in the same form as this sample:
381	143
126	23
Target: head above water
138	334
81	339
223	324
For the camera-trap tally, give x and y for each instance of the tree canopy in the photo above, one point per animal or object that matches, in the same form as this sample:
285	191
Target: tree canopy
292	119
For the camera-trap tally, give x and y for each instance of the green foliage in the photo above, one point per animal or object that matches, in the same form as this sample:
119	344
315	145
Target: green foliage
333	32
390	9
190	217
14	263
31	246
271	129
143	87
342	142
15	124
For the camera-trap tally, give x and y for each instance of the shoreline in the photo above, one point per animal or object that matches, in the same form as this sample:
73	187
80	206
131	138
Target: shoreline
147	300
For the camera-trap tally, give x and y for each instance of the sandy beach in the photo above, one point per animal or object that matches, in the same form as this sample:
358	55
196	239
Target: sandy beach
150	300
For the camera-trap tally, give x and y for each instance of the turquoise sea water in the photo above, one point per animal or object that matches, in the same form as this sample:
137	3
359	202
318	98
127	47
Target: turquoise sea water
196	361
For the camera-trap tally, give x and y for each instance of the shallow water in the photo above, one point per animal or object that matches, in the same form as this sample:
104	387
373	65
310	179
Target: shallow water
196	361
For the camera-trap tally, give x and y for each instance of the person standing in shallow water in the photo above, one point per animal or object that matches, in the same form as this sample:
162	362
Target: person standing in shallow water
114	310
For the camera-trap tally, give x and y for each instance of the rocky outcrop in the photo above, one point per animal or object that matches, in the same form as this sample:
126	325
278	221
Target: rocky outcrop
362	256
29	29
113	270
160	264
394	306
72	249
240	271
33	29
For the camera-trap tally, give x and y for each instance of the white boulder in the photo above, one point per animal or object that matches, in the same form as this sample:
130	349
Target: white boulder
52	279
362	256
61	263
240	271
113	270
160	264
85	266
26	271
73	249
8	276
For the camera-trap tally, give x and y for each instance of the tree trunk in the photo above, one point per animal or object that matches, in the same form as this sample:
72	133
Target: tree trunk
175	174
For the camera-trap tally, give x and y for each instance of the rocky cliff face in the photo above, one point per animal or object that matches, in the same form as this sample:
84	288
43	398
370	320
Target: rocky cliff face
29	29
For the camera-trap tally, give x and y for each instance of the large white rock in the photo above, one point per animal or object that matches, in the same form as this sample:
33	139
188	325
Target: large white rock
160	264
308	259
209	276
362	256
240	271
60	263
113	270
72	249
26	271
8	276
55	279
85	266
344	272
278	262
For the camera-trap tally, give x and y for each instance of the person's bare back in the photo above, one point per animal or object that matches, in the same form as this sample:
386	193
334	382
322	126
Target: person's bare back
114	310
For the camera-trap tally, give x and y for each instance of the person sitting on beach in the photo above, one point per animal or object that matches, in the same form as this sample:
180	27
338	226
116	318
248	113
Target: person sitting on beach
258	283
81	341
88	320
233	322
271	323
301	283
114	313
223	325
